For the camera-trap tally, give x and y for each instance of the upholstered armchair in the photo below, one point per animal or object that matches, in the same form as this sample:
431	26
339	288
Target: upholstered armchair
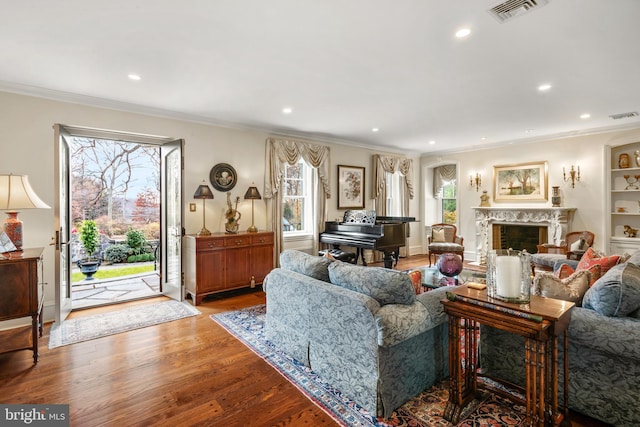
573	247
442	239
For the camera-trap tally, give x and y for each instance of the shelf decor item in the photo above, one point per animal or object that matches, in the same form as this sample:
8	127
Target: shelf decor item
508	275
623	161
232	215
632	180
555	196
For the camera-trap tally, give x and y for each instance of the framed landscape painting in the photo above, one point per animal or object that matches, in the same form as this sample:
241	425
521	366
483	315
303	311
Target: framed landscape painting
521	182
350	187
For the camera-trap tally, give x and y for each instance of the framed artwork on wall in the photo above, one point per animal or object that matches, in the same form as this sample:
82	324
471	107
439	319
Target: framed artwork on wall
223	177
350	187
520	182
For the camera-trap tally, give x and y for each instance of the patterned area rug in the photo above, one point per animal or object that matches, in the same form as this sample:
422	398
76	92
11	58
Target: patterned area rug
424	410
114	322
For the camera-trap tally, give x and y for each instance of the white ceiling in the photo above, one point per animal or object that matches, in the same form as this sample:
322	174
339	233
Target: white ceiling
343	66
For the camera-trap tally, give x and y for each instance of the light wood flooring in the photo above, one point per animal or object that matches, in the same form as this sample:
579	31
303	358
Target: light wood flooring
189	372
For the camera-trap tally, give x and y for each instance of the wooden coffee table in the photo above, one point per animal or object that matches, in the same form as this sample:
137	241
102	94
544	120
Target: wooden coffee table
541	322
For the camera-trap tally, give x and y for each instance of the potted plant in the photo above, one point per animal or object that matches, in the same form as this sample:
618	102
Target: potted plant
90	239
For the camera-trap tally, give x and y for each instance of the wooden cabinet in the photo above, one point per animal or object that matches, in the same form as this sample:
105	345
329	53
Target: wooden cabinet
623	197
22	295
222	262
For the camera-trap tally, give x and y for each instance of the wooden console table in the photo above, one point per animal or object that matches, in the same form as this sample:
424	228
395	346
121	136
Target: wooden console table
22	296
541	322
222	262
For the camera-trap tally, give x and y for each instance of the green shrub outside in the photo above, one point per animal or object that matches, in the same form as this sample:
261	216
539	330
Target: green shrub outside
117	253
136	241
131	258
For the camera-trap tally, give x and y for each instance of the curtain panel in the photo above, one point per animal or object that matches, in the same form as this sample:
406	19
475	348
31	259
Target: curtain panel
382	165
441	176
280	152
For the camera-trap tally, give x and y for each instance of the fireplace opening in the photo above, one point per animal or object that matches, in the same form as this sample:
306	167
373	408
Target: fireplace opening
519	237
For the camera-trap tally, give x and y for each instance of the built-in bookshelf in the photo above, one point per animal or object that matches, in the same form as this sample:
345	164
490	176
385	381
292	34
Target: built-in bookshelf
624	197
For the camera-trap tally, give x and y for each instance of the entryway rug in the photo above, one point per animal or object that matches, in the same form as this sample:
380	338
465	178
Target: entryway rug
425	410
114	322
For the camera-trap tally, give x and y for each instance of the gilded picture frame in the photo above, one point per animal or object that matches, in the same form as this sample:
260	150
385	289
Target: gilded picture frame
350	187
523	182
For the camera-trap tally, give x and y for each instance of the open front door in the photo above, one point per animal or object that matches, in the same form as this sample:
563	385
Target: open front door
171	283
61	225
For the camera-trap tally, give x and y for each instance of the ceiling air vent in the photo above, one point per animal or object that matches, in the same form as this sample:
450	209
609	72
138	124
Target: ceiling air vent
624	115
512	8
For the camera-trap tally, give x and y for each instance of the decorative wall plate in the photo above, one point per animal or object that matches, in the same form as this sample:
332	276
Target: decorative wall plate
223	177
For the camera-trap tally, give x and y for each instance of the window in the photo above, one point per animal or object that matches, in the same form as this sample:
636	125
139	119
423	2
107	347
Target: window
296	211
395	193
449	203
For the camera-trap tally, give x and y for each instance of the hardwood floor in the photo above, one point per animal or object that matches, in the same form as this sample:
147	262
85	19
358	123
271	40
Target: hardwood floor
189	372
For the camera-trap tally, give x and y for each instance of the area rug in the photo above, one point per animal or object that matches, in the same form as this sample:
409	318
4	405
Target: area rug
86	328
425	410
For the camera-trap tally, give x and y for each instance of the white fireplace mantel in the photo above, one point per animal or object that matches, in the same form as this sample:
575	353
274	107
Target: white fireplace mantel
558	222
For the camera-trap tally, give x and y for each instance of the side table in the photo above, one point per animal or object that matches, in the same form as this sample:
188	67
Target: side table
22	296
541	322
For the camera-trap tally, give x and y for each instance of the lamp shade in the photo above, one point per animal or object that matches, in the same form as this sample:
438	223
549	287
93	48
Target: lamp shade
203	192
16	194
252	194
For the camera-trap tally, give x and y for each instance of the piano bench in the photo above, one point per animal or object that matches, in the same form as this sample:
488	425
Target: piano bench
340	255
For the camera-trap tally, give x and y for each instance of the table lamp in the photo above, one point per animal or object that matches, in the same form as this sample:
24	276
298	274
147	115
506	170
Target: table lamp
252	194
203	192
16	194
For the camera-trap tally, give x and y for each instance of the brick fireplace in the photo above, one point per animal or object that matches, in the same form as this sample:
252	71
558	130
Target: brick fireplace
557	222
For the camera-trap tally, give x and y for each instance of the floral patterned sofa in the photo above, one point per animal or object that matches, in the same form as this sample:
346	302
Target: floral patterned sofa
604	349
362	329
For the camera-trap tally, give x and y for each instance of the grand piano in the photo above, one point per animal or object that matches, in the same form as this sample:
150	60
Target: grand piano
363	229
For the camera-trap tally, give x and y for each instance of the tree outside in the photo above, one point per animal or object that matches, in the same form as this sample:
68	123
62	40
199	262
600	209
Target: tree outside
117	185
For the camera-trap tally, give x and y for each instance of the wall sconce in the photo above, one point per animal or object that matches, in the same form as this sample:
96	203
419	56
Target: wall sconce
477	181
203	192
574	175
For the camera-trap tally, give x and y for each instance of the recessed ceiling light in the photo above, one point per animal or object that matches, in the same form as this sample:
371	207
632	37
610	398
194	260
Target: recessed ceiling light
544	87
528	131
463	32
484	138
287	110
585	116
432	142
135	77
375	130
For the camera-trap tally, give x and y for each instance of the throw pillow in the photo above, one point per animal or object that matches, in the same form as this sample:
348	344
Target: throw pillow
382	284
617	293
437	235
572	288
591	257
566	270
304	263
416	280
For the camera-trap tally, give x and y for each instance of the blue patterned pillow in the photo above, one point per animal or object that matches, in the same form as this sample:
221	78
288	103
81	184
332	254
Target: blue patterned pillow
382	284
303	263
617	293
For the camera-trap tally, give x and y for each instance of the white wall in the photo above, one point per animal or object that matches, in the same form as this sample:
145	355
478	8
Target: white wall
28	145
588	196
